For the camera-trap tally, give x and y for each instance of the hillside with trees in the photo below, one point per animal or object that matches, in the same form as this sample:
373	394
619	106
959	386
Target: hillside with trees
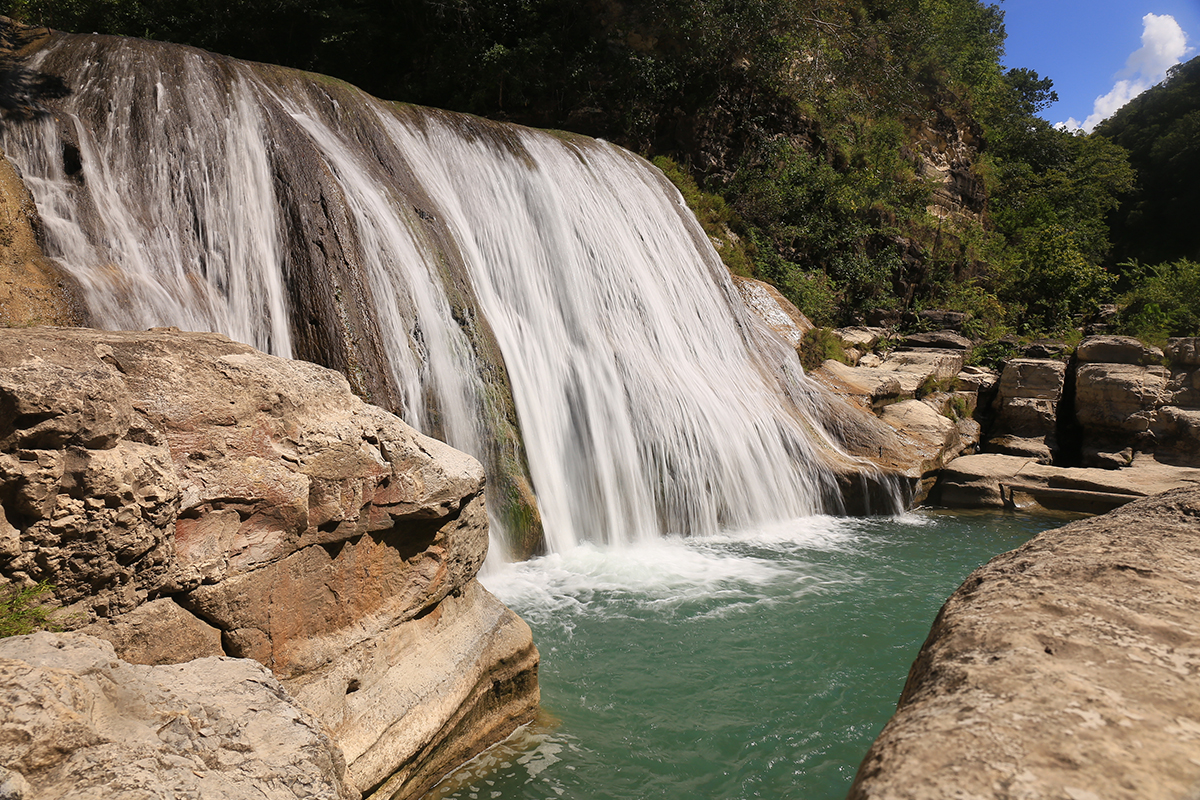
871	158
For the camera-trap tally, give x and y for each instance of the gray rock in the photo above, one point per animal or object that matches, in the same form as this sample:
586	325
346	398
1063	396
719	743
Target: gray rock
776	311
1117	350
942	340
1184	352
1065	668
945	320
1118	398
861	338
995	480
91	725
1038	378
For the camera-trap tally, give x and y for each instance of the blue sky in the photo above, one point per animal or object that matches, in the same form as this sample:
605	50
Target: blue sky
1098	49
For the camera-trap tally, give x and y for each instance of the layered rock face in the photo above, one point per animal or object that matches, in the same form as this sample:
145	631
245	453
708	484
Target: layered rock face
916	403
1027	403
189	496
1128	401
1065	668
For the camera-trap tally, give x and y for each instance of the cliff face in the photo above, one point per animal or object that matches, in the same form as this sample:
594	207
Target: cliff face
189	496
1062	669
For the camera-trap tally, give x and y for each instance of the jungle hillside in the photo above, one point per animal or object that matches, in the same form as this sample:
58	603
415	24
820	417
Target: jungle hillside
870	158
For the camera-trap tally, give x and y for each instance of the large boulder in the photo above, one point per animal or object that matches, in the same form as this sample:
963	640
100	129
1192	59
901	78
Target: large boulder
79	722
1184	351
1026	405
1063	669
1117	350
943	340
776	311
263	511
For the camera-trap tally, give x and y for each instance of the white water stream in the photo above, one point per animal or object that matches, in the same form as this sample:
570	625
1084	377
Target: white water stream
650	402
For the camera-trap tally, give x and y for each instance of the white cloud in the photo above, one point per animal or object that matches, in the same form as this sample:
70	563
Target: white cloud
1164	44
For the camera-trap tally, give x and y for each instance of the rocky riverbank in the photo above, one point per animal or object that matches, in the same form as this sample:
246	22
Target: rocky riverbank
190	498
1087	431
1065	668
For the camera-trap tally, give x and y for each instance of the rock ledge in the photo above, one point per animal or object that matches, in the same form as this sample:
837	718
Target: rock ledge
1063	669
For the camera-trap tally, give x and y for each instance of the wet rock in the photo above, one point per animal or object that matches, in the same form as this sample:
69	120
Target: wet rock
779	313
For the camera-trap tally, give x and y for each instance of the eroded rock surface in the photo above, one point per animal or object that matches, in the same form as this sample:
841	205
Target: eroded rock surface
79	722
1064	669
189	496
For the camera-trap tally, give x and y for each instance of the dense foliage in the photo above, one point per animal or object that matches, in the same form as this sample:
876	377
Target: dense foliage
1161	131
868	157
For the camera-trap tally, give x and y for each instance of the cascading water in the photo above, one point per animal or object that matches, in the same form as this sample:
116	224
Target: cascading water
440	261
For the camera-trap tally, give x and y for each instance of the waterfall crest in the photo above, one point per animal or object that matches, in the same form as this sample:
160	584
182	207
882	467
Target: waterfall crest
545	302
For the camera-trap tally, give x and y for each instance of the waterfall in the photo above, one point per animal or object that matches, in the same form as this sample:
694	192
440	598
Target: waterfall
476	278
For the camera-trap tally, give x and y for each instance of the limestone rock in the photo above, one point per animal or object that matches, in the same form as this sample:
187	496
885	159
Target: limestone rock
929	438
158	632
1117	350
1034	447
779	313
85	724
1065	668
1037	378
1184	352
994	480
913	367
257	508
873	385
1027	400
942	340
859	337
981	379
1118	398
944	320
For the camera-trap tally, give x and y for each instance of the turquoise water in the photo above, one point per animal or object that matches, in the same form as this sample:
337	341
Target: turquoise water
751	665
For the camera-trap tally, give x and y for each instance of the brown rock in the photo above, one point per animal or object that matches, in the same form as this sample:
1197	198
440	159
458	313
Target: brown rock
1065	668
159	632
310	531
33	290
1117	350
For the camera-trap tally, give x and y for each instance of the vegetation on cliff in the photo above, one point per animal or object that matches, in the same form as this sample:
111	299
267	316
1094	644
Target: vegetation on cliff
868	157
